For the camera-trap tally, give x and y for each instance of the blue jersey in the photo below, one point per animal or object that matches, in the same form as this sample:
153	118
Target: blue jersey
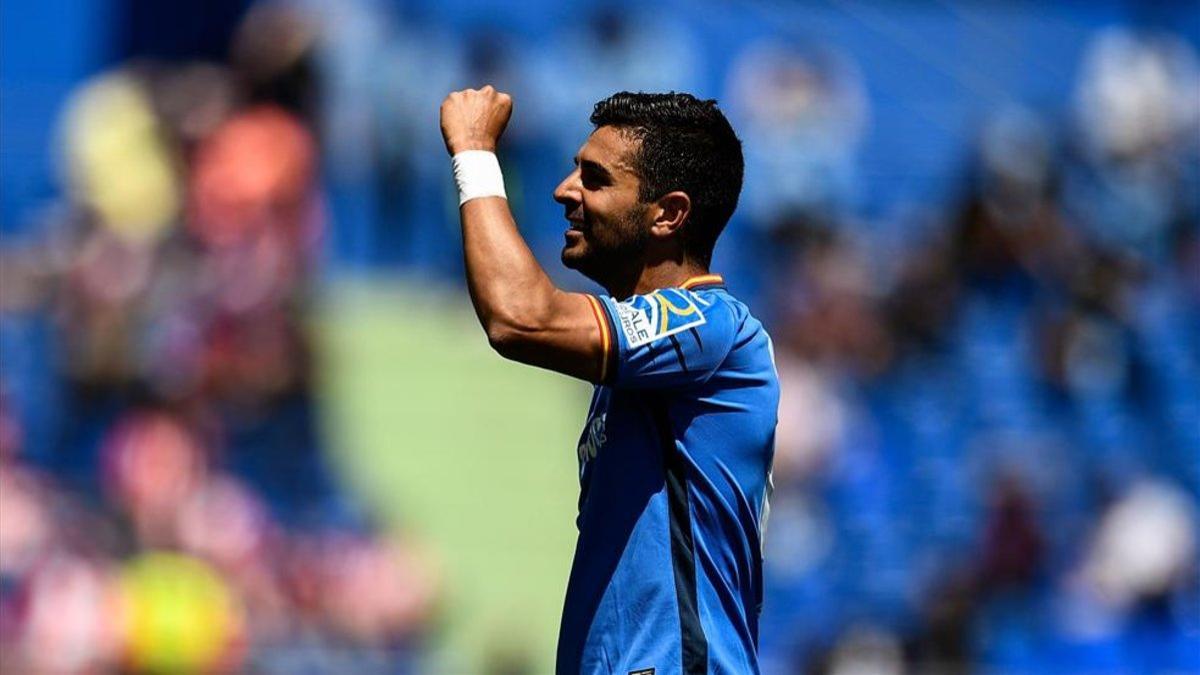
674	466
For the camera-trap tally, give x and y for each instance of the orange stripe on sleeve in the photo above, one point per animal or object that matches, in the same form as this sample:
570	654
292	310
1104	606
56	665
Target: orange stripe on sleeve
605	337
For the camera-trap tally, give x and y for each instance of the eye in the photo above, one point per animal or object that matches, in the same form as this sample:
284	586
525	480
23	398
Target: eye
592	180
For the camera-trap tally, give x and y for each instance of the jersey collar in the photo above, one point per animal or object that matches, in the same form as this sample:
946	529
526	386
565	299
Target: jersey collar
703	281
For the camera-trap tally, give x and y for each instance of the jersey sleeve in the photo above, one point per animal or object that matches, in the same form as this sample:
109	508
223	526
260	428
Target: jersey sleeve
670	338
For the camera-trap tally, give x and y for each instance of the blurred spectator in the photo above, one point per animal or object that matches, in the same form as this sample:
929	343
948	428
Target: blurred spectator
120	164
1145	546
179	616
605	52
801	115
177	276
994	382
72	617
1138	103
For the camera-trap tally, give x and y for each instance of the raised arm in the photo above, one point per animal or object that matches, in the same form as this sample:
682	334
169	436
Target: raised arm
526	317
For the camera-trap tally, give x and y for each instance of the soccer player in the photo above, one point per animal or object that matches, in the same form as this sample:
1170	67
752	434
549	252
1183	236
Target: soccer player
675	456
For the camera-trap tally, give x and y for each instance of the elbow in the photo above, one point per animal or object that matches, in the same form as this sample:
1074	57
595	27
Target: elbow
515	330
509	338
503	339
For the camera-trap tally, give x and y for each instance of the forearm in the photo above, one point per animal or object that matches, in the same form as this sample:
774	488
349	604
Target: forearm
509	289
525	316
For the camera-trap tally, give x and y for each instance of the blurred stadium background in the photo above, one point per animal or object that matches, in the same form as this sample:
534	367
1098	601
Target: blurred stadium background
248	422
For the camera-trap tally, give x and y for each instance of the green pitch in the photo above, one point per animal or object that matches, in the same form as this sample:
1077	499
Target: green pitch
472	454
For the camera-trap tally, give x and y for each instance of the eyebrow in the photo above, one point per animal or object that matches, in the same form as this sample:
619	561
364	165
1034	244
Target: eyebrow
594	167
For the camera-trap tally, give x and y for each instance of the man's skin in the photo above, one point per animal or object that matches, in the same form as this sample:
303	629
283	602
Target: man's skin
625	245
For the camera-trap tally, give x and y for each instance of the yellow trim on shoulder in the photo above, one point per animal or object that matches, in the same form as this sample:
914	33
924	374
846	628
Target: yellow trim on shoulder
667	307
702	279
605	337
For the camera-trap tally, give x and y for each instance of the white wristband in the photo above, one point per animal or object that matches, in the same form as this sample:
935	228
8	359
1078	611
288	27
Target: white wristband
477	173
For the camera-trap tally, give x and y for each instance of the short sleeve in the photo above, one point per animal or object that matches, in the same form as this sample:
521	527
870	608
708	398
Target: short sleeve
670	338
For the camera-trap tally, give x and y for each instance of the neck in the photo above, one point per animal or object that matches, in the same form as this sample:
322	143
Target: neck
666	274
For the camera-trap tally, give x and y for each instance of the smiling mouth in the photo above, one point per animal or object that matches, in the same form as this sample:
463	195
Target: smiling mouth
573	235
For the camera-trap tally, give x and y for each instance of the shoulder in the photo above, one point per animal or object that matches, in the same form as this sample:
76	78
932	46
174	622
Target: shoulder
672	337
646	318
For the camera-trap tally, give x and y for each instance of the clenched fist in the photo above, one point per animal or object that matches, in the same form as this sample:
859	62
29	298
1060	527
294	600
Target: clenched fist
473	119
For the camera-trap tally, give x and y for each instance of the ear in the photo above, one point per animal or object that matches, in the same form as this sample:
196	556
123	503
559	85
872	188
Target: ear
670	213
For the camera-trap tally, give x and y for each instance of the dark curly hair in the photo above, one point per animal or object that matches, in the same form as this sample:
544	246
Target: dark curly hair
687	145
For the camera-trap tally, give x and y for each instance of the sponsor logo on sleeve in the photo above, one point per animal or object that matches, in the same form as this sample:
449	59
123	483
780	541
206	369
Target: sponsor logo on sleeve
645	318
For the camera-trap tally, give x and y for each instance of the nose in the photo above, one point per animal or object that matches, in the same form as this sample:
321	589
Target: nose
569	191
